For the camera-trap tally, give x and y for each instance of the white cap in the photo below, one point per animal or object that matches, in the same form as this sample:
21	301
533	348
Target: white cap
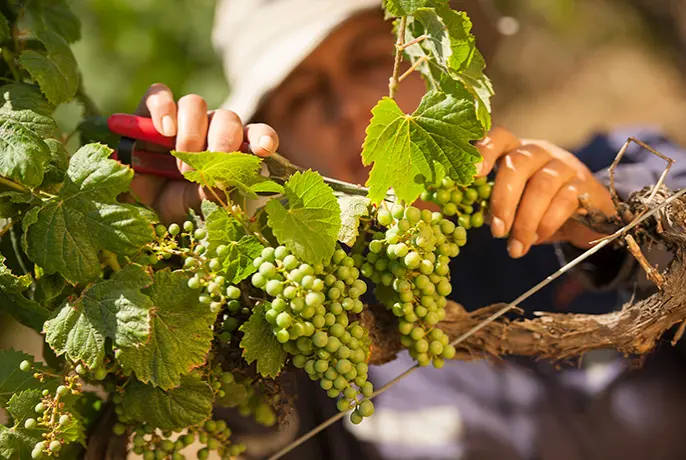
262	41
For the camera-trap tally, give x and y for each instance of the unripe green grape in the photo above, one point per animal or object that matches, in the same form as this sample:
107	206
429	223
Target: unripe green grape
477	220
384	217
321	365
203	454
343	366
431	318
290	262
355	417
464	221
343	352
281	252
329	319
268	254
357	356
55	446
283	336
30	423
366	408
194	283
342	405
340	383
37	453
397	210
333	344
40	408
448	352
274	287
25	366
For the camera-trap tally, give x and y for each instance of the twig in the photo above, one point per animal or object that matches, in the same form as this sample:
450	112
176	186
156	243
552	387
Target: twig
14	185
414	41
393	83
414	66
654	275
510	306
17	251
679	333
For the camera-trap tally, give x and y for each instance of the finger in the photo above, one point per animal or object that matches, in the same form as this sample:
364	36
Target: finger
563	205
497	143
538	195
192	126
262	138
516	167
225	133
145	188
158	104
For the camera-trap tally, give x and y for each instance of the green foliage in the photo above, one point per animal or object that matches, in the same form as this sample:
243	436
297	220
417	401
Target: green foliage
175	409
309	225
259	344
68	231
180	333
112	309
405	149
156	314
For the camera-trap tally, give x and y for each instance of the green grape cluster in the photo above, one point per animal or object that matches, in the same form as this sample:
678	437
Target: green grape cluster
410	263
468	203
52	416
214	435
246	395
309	315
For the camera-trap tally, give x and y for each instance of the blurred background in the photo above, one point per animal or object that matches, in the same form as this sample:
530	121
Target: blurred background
570	67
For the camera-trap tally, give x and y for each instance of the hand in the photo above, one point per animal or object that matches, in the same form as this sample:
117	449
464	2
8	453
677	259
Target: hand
536	191
196	130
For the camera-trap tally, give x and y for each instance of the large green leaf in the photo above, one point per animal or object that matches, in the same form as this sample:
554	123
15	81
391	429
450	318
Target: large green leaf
221	227
21	405
180	333
23	96
55	70
227	171
13	301
309	224
23	154
259	344
67	232
406	148
452	59
59	16
175	409
16	443
114	309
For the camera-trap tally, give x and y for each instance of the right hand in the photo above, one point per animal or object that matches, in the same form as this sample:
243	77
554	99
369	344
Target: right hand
195	130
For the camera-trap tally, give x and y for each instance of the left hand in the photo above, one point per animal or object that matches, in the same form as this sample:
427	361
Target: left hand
536	191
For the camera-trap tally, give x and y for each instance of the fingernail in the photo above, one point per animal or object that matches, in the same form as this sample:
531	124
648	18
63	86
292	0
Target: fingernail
168	127
267	143
497	227
479	168
515	248
535	238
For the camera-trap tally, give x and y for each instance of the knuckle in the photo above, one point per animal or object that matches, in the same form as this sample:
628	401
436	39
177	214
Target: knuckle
227	116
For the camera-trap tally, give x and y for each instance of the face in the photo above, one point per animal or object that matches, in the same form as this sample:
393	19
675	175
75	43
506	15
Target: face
322	109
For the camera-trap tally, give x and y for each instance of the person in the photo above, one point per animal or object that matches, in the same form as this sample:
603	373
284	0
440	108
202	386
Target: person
311	70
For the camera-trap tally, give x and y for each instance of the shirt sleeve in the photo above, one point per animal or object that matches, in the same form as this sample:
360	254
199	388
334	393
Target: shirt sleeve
614	268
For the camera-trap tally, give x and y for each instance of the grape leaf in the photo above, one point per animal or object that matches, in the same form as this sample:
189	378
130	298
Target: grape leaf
238	263
57	165
22	96
227	171
453	58
180	333
16	443
189	404
114	309
21	405
220	226
67	232
55	70
13	379
23	154
13	301
400	8
352	208
4	28
404	148
259	344
59	16
309	225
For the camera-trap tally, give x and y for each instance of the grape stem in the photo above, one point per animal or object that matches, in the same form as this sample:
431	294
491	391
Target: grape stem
414	66
393	83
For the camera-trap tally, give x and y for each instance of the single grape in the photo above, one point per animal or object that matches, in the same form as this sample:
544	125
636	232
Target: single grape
356	418
40	408
384	217
55	446
62	390
30	423
366	408
25	366
200	234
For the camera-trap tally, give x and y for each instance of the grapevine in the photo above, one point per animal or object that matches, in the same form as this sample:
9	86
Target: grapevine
171	321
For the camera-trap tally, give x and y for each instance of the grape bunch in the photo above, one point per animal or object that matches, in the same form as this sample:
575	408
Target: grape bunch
52	415
309	315
409	263
213	434
468	203
246	395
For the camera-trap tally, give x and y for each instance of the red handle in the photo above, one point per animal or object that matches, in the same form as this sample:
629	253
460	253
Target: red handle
139	128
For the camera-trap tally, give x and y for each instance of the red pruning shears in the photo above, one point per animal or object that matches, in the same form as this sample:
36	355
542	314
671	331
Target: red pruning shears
133	128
